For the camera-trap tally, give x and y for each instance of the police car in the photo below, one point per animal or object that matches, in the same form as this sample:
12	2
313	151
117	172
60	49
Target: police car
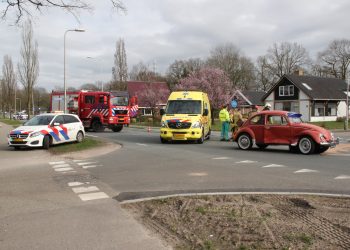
47	129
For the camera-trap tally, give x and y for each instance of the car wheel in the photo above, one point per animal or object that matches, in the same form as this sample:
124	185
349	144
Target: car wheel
201	140
162	140
306	145
80	137
322	149
262	146
117	128
96	126
46	142
293	149
244	141
208	135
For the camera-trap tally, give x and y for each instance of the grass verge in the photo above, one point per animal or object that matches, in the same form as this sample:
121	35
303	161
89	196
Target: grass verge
88	143
11	122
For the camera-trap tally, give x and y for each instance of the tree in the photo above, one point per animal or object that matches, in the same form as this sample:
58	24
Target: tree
89	86
181	69
141	72
264	76
120	69
238	68
336	58
28	67
8	85
212	81
25	8
152	97
285	58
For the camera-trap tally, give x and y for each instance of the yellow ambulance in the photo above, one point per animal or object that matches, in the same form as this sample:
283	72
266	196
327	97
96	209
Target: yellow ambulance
187	117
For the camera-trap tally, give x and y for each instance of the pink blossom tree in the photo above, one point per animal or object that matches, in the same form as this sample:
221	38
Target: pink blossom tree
152	97
213	81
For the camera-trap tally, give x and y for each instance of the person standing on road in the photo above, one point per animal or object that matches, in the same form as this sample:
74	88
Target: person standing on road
225	123
237	120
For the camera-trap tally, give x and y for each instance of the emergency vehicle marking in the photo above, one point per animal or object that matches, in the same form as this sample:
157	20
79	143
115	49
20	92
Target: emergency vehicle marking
103	112
20	132
55	133
133	110
178	120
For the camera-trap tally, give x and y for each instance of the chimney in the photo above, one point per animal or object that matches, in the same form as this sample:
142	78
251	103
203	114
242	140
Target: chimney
299	72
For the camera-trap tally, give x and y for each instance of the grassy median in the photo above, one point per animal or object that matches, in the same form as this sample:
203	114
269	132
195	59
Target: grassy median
88	143
14	123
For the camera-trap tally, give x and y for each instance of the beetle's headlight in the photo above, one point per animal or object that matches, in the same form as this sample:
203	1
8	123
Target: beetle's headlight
197	124
323	138
164	124
35	134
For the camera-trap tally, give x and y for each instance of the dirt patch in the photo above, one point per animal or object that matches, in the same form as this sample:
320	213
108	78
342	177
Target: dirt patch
339	149
248	221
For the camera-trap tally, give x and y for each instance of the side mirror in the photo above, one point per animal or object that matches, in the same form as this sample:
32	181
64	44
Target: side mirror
56	124
206	112
162	112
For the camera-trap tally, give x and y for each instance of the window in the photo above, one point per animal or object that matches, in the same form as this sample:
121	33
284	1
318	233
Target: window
257	120
287	90
70	119
89	99
287	106
331	109
319	109
59	119
276	120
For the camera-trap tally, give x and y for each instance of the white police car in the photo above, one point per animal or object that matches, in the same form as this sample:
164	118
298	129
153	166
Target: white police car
47	129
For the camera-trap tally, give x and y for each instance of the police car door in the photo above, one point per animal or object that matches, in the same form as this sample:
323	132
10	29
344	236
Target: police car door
59	130
73	125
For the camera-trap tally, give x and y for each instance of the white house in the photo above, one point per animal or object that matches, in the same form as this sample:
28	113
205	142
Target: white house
316	98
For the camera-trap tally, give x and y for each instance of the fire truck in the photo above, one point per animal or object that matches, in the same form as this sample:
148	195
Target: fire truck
97	109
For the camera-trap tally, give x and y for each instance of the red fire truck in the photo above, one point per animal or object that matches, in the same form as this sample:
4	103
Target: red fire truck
96	109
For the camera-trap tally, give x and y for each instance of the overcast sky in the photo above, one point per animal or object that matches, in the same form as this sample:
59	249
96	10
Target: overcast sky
158	32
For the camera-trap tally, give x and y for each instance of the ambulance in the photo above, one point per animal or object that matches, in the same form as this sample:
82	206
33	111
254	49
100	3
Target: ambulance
47	129
187	117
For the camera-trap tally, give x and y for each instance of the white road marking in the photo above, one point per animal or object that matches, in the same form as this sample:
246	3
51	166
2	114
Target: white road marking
306	171
85	163
198	174
79	190
221	158
91	166
91	135
246	161
141	144
74	184
273	166
342	177
77	160
61	166
68	172
56	162
63	169
93	196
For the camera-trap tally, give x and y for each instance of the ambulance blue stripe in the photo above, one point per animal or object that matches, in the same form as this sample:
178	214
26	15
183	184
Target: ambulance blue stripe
64	134
55	136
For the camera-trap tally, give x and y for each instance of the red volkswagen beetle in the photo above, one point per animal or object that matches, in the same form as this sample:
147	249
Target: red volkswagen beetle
283	128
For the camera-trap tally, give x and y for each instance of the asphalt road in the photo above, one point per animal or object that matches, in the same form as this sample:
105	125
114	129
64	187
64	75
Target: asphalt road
144	167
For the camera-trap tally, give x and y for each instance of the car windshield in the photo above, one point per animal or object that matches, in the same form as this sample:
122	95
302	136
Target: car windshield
120	101
295	118
39	120
184	107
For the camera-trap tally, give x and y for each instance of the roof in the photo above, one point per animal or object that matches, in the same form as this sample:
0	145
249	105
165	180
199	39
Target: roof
255	97
317	88
135	87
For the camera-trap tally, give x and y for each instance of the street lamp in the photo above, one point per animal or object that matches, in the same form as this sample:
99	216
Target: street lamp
64	66
100	67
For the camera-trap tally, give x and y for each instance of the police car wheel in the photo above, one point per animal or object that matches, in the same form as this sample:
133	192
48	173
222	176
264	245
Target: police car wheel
46	142
80	137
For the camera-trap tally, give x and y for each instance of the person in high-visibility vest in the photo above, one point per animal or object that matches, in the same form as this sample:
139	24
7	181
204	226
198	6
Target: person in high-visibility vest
225	123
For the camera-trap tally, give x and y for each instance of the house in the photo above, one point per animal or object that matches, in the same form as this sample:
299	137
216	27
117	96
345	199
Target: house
248	98
134	88
316	98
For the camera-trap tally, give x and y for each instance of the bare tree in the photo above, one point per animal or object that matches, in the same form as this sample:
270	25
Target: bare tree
25	8
238	68
264	76
141	72
286	57
336	58
9	84
28	67
120	69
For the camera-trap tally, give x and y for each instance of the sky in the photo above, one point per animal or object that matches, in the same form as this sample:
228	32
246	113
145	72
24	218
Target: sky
158	32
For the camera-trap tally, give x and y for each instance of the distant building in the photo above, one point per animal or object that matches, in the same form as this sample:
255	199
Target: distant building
248	98
316	98
135	87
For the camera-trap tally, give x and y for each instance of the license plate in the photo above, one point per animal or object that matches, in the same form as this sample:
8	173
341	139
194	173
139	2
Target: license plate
179	136
17	139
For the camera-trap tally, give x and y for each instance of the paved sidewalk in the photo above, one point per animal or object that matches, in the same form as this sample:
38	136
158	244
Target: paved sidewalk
38	210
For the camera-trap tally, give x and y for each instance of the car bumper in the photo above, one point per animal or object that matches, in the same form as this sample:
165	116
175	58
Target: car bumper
180	134
331	143
28	142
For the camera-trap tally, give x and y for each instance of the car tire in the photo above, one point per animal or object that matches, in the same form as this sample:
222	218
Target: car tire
322	149
306	145
79	137
46	142
293	149
117	128
96	126
261	146
201	140
162	140
208	135
244	141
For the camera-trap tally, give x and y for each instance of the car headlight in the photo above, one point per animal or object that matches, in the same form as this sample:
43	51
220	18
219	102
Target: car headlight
197	124
323	138
164	124
35	134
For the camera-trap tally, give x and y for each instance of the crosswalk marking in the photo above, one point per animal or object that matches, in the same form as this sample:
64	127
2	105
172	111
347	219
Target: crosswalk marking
306	171
221	158
85	163
63	169
79	190
56	162
273	166
246	161
74	184
77	160
91	166
61	166
342	177
93	196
